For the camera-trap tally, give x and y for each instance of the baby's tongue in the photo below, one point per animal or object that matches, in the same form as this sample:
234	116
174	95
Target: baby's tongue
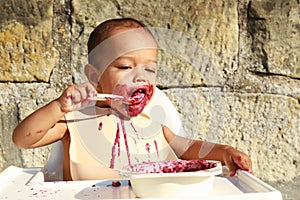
137	97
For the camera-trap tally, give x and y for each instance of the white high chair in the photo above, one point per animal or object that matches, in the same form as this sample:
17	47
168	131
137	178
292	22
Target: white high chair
160	109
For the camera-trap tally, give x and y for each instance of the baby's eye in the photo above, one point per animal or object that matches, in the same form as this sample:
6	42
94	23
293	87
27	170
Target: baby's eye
125	67
150	70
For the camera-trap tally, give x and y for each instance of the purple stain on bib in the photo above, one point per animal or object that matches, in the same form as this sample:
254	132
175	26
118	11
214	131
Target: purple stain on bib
147	146
100	126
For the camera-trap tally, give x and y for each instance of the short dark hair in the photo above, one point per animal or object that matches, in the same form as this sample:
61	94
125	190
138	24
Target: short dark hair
101	32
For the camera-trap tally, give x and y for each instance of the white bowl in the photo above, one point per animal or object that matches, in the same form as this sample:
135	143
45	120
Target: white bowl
180	184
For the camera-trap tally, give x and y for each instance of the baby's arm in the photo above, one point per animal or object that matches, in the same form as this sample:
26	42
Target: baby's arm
47	124
196	149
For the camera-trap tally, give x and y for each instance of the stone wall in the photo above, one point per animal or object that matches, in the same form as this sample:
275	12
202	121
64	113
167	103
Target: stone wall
231	68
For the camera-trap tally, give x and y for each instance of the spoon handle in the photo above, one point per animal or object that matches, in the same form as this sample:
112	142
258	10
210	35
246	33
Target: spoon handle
104	97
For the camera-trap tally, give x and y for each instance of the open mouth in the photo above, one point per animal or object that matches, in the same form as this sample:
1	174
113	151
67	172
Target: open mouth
138	99
137	96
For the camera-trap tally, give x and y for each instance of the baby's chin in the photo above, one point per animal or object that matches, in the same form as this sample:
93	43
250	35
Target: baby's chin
135	110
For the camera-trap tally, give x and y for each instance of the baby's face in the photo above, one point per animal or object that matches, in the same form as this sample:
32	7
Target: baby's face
133	76
127	62
133	69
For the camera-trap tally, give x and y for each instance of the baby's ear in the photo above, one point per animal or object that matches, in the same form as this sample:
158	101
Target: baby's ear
92	74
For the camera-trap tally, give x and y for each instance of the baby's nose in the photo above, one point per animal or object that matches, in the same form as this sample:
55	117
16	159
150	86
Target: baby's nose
139	75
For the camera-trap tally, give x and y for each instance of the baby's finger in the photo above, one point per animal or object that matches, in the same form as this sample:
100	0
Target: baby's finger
232	172
81	91
91	91
67	94
88	90
84	103
75	96
243	163
232	167
66	98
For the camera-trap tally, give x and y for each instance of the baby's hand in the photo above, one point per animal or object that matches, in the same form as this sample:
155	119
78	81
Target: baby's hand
235	159
76	97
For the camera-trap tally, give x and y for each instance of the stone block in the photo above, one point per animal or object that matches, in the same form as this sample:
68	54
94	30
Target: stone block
273	28
26	41
17	101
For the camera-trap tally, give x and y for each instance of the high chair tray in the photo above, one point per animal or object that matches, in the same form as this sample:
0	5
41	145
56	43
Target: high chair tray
28	183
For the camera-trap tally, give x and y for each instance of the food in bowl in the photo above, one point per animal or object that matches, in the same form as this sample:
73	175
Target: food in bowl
180	178
173	166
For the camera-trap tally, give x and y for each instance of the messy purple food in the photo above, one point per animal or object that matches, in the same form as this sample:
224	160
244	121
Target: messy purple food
174	166
116	183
